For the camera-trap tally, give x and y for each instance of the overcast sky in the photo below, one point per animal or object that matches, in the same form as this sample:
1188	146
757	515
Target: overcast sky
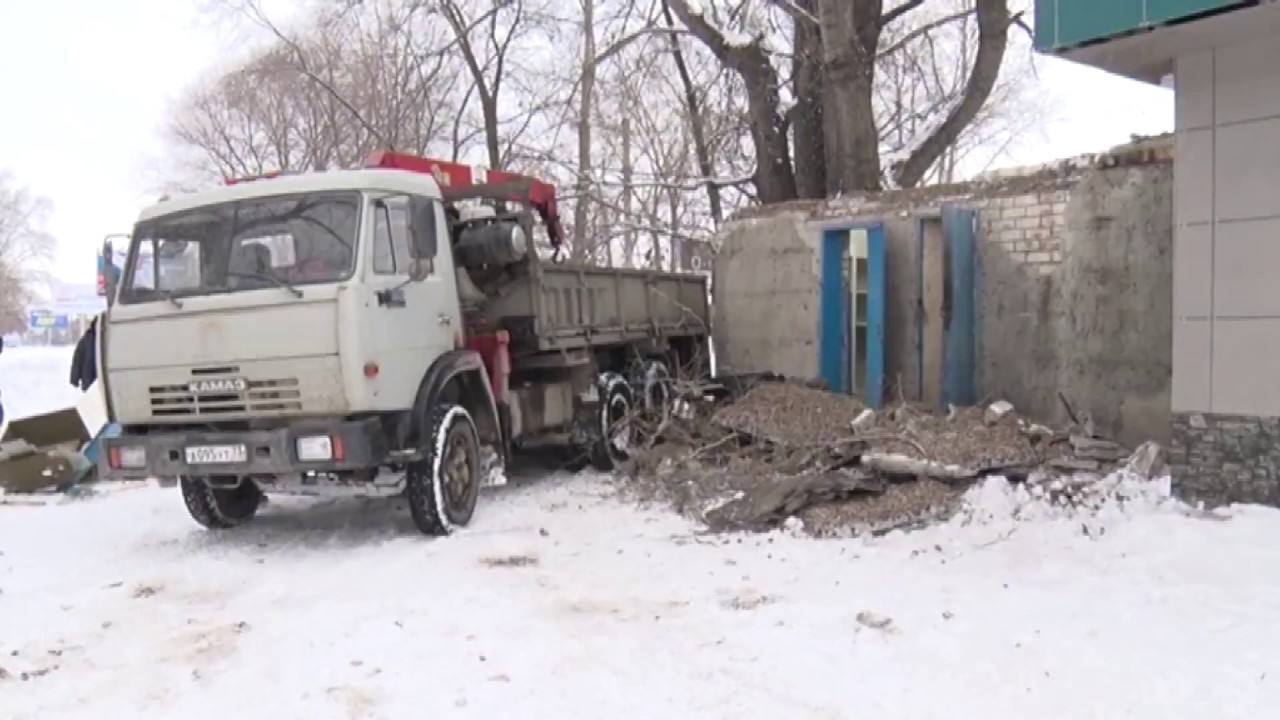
86	85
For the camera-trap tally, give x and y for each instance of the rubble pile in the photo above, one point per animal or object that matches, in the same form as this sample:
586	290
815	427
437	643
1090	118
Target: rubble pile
783	450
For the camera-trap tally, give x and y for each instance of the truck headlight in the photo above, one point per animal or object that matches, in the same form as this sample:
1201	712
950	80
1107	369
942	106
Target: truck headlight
315	448
128	456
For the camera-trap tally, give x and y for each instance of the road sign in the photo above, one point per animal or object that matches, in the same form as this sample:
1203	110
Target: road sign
45	320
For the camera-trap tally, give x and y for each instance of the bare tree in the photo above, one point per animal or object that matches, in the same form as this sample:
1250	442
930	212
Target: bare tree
841	58
659	118
26	250
488	58
353	82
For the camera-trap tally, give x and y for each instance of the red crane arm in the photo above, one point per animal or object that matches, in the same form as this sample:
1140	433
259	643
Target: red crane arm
458	182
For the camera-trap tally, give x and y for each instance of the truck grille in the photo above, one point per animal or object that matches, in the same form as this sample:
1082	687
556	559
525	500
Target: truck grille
220	391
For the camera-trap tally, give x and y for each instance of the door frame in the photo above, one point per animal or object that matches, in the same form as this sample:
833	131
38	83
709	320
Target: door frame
836	361
921	312
961	289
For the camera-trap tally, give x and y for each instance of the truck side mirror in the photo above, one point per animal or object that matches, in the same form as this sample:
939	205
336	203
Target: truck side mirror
422	225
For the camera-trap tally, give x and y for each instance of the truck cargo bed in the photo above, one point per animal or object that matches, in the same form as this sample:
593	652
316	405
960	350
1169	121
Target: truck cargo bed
565	306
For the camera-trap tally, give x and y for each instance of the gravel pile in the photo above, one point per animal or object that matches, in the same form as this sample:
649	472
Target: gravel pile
789	414
783	450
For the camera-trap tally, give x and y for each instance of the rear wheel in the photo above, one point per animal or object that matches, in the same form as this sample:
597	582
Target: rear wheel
616	435
658	387
658	392
444	485
218	508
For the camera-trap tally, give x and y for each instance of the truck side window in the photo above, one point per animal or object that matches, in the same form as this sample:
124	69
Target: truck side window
391	237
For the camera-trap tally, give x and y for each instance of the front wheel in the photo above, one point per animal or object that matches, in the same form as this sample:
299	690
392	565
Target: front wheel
443	486
219	508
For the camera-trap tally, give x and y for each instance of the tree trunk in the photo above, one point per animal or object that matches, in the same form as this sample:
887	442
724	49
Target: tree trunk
582	186
629	233
488	95
850	34
489	106
809	145
693	108
774	178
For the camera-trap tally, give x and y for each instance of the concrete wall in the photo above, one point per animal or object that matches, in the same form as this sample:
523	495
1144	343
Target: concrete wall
1075	275
1226	296
766	273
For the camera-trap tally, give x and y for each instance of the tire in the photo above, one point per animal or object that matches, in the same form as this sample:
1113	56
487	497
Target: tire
657	393
617	401
573	458
220	508
442	487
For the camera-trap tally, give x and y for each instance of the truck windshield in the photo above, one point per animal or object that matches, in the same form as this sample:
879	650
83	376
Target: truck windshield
280	241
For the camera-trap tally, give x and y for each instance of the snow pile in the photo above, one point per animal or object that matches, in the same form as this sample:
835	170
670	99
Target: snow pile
1093	500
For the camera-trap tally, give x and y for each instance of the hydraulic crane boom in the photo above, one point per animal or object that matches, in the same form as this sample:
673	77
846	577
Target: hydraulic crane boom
461	182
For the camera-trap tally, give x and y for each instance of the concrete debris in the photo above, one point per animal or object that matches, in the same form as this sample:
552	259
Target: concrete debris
1148	461
1036	432
864	420
876	621
778	450
995	411
896	464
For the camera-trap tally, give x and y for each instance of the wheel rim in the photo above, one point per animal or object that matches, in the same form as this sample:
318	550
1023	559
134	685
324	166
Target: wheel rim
620	439
457	471
658	391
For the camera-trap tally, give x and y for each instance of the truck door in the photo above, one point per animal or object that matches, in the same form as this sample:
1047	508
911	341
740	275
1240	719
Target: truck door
408	323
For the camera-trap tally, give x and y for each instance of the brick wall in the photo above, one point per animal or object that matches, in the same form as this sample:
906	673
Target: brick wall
1028	227
1023	216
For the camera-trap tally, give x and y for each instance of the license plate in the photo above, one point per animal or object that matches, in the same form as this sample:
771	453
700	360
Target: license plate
216	454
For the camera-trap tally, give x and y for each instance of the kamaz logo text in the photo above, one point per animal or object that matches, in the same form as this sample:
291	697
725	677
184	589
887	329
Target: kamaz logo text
222	386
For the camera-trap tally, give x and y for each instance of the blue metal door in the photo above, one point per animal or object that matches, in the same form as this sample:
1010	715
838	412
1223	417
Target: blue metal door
959	383
833	312
836	315
874	381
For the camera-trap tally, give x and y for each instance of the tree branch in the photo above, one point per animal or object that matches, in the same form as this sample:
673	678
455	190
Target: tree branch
257	15
993	37
924	30
775	177
795	11
899	11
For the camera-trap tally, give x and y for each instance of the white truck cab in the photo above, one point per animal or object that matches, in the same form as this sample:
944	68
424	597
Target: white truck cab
291	290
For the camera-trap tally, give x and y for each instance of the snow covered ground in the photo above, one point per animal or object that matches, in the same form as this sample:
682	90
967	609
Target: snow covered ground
563	602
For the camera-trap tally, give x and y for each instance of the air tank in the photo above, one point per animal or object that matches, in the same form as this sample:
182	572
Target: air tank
502	242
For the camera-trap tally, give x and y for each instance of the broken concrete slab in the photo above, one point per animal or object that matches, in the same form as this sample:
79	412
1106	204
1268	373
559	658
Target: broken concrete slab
42	451
1148	461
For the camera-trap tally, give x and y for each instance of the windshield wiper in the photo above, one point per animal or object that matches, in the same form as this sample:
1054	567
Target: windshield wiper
279	281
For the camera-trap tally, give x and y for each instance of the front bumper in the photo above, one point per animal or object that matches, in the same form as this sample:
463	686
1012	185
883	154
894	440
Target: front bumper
268	452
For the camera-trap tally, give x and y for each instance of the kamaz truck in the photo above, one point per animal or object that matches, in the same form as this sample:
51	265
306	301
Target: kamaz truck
393	330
